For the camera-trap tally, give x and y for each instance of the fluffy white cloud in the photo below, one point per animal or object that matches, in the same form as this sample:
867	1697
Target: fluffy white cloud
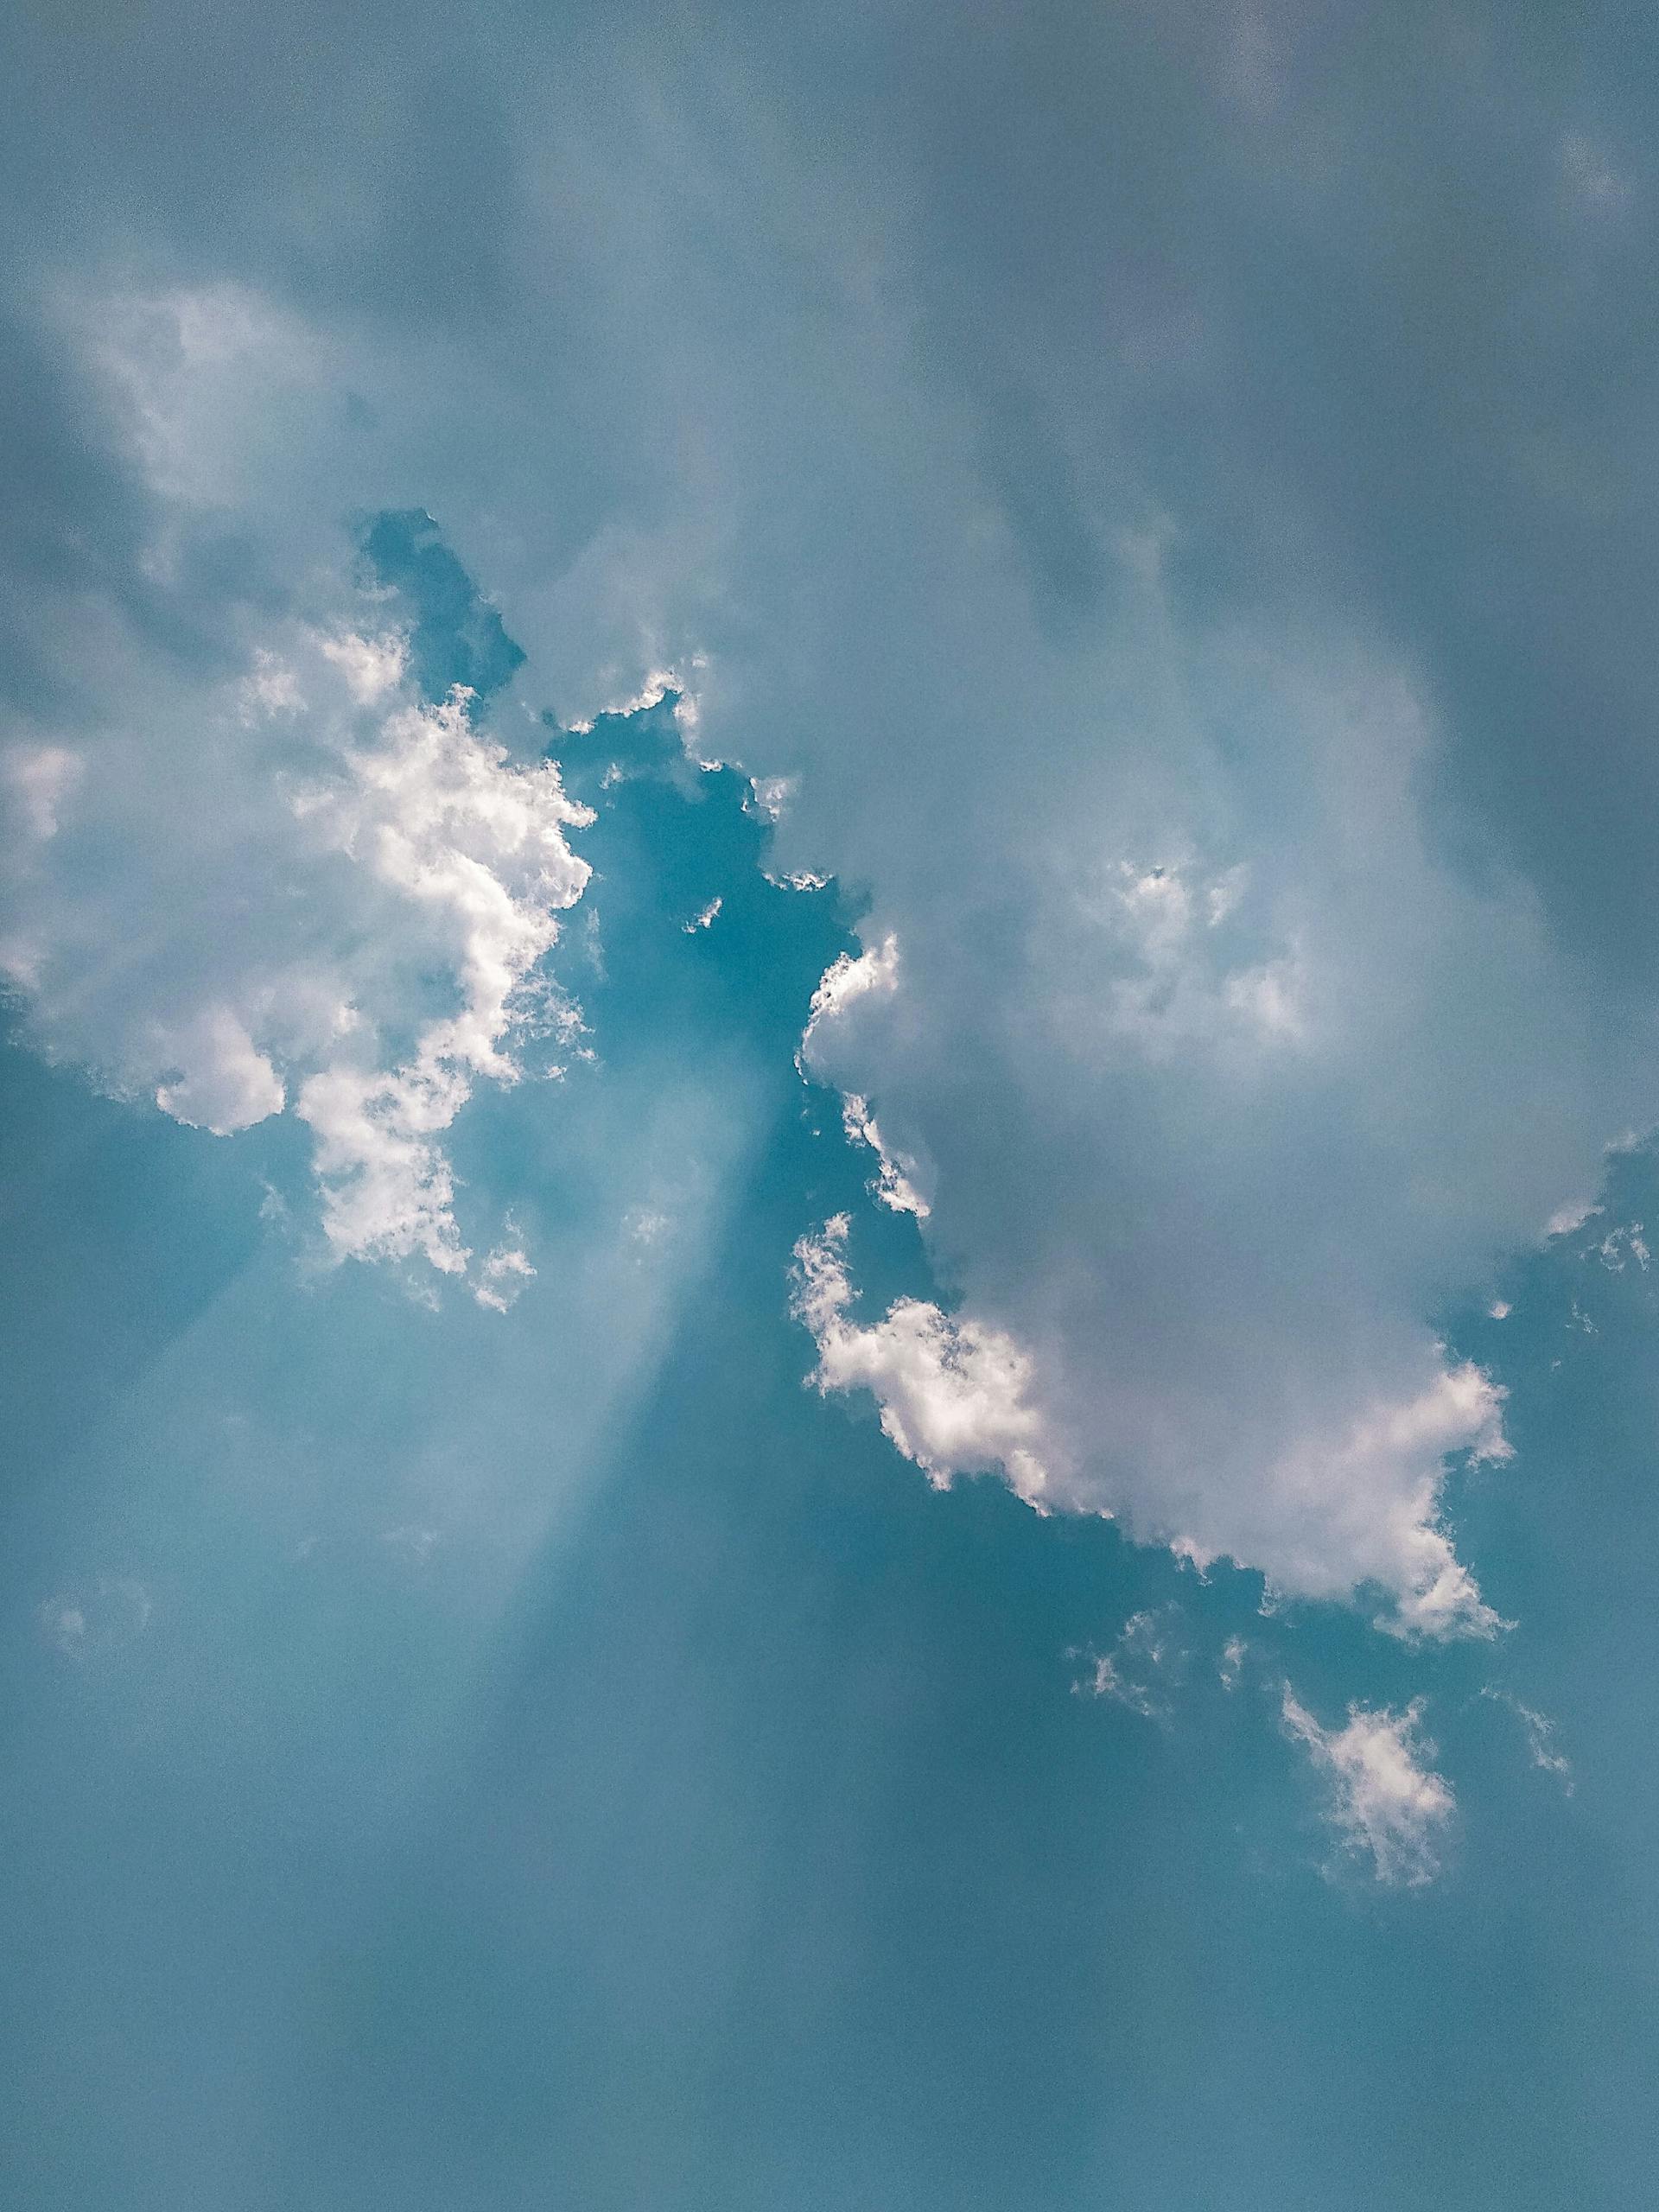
502	1277
301	888
952	1394
1190	1144
1383	1798
227	1083
871	974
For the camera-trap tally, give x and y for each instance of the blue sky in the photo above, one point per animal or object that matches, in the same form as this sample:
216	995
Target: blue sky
826	1128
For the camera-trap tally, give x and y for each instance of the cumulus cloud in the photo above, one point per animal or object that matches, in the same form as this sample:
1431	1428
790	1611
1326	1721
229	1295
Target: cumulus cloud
1326	1472
1383	1798
299	888
1178	1134
952	1392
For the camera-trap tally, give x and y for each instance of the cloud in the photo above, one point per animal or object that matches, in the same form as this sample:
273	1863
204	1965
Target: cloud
893	1186
1385	1802
1540	1730
1571	1215
502	1278
227	1083
952	1392
1137	1671
300	888
1143	1324
871	974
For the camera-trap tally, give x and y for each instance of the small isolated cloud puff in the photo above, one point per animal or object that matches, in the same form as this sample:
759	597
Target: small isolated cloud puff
304	888
502	1277
952	1392
1138	1669
1384	1801
1540	1732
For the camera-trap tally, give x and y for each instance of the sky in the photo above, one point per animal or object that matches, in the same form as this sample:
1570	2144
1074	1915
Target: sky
827	1129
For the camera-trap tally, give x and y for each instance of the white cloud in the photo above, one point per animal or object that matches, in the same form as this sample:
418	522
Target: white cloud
225	1084
873	973
1573	1215
952	1392
302	890
1362	1506
1138	1670
1187	1147
1540	1732
1383	1798
769	796
705	919
893	1185
1180	981
1321	1510
503	1277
